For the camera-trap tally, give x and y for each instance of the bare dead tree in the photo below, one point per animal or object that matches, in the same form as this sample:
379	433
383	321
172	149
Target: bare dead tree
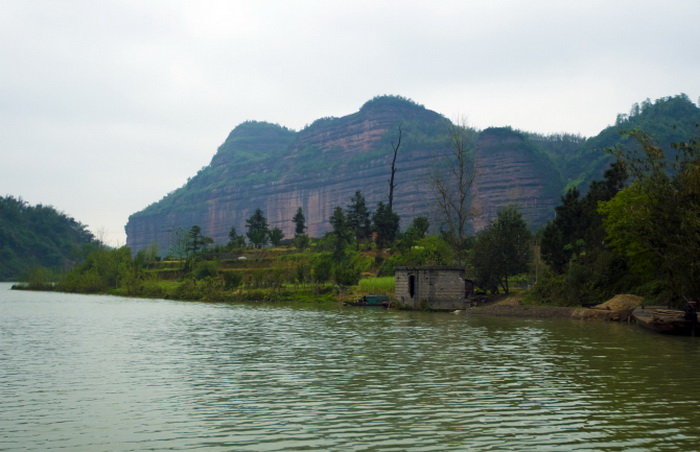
451	180
392	185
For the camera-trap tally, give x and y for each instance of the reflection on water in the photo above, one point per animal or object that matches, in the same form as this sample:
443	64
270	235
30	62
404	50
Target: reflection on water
106	373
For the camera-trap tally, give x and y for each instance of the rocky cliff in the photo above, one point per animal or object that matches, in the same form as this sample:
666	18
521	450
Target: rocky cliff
512	170
266	166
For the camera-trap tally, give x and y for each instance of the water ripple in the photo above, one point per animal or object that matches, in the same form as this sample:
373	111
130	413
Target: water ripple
104	373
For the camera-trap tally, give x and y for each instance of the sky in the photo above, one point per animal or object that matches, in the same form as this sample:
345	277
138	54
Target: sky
107	106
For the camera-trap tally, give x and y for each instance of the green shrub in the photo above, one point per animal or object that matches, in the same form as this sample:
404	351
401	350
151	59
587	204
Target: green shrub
345	275
152	289
187	290
232	279
89	281
39	278
321	267
206	269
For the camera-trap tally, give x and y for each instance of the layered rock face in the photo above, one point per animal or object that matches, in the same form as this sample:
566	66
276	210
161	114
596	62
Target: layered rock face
277	170
511	170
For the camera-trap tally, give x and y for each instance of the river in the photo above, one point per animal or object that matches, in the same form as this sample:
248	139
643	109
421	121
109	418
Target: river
102	373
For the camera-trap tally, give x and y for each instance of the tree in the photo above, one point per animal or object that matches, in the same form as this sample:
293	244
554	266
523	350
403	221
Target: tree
186	243
341	231
196	241
577	230
628	219
299	222
302	241
189	244
600	190
415	232
386	225
655	222
419	227
178	243
235	240
430	250
451	181
147	257
561	236
258	232
583	269
101	270
38	235
276	236
503	249
358	218
392	184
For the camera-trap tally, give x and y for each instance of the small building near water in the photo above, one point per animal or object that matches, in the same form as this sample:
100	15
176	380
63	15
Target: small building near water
434	288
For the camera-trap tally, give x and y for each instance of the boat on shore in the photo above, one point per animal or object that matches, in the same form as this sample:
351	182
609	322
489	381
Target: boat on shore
378	301
668	321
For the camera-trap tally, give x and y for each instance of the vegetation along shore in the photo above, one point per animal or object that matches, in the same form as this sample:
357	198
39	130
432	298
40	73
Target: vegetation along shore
635	231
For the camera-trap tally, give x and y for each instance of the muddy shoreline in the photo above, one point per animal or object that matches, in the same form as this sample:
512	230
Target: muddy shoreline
618	308
512	310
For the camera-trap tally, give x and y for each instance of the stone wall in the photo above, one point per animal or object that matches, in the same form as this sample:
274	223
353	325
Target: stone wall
435	288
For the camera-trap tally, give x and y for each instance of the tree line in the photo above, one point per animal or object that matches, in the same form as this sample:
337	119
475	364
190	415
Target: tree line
38	235
360	241
635	231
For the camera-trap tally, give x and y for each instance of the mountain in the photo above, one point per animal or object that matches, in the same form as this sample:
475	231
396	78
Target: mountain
267	166
32	236
668	120
511	169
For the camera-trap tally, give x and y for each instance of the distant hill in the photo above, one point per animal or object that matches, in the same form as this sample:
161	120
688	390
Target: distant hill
32	236
669	120
267	166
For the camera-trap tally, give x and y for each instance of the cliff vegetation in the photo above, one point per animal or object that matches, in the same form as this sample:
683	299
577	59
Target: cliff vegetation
635	231
263	165
632	229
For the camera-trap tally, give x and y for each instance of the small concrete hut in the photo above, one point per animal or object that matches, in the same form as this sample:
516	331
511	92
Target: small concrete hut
436	288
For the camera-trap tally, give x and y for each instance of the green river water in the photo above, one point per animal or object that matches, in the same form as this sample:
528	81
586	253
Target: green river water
100	373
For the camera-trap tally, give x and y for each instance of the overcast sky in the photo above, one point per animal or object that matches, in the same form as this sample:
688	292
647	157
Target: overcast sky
106	106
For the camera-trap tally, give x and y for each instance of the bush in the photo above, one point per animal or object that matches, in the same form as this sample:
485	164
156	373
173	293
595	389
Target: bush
321	266
206	269
346	275
89	281
187	290
152	290
232	279
39	278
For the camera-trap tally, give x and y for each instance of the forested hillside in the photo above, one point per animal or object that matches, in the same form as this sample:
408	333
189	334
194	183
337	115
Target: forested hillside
269	167
669	120
634	229
32	236
265	166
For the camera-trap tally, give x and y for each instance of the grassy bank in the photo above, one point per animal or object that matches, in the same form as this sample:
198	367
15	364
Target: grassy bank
272	275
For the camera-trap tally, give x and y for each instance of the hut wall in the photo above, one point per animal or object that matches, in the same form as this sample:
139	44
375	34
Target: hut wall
439	288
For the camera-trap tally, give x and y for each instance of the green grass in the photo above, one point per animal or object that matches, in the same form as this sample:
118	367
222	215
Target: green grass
382	284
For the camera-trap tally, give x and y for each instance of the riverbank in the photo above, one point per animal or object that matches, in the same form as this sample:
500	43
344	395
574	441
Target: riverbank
618	308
